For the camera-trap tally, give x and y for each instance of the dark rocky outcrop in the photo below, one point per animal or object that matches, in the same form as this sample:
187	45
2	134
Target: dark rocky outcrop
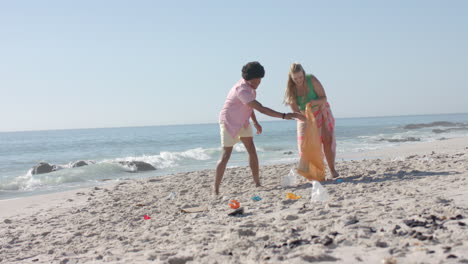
137	165
43	167
438	131
79	163
408	139
433	124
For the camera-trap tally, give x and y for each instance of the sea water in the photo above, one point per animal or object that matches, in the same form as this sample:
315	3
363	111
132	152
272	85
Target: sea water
182	148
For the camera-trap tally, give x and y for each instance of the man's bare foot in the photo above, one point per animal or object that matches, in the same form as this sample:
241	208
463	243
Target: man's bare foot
214	190
335	174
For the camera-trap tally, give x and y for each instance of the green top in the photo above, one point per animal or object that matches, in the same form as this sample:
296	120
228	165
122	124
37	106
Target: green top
311	95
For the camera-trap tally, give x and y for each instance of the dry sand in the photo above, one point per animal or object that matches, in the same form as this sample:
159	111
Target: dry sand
408	206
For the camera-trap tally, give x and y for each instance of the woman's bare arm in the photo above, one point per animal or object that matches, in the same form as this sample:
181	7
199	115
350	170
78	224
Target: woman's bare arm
320	91
294	108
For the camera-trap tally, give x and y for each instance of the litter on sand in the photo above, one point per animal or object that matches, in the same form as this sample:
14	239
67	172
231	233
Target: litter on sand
234	204
171	196
292	196
290	179
239	211
318	192
256	198
195	209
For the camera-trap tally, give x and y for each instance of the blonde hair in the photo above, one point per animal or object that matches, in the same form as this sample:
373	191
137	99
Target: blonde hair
291	91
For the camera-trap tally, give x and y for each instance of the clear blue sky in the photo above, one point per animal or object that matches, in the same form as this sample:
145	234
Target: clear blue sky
80	64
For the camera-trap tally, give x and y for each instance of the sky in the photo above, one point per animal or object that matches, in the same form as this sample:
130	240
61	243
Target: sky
90	64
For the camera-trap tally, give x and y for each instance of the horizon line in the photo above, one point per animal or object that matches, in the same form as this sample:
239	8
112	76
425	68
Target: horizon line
210	123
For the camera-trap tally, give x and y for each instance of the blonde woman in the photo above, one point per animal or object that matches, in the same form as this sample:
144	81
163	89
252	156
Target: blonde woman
303	89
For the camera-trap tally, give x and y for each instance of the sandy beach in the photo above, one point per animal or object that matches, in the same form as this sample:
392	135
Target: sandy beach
405	205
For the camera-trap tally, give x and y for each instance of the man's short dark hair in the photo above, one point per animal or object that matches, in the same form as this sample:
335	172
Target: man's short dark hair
252	70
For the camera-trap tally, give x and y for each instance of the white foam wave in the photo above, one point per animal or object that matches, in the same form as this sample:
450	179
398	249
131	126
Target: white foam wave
91	173
22	182
109	168
241	148
168	159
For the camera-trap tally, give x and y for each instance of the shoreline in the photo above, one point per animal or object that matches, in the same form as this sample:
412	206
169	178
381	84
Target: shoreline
413	148
407	205
387	152
399	152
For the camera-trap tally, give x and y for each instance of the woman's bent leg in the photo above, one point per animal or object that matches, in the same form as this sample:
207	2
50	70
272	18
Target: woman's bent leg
327	137
301	126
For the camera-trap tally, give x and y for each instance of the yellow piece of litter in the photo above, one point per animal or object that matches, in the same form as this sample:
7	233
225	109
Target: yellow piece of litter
292	196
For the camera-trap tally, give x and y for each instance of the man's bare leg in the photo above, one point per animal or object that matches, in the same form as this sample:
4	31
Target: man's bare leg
221	167
253	158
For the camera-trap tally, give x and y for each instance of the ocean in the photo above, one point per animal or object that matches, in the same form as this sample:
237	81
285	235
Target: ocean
181	148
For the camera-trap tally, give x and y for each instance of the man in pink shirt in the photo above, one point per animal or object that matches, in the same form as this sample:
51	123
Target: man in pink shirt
234	119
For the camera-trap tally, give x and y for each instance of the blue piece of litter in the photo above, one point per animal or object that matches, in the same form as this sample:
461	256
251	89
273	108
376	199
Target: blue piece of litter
256	198
339	180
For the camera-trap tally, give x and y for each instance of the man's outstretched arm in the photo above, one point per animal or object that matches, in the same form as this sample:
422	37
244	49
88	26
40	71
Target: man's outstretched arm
270	112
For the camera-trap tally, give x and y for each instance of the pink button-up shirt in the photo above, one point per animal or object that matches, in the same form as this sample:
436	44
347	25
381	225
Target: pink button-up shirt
236	112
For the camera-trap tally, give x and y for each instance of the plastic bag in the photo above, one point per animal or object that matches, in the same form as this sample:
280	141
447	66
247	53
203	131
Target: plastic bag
290	179
319	193
311	164
171	196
